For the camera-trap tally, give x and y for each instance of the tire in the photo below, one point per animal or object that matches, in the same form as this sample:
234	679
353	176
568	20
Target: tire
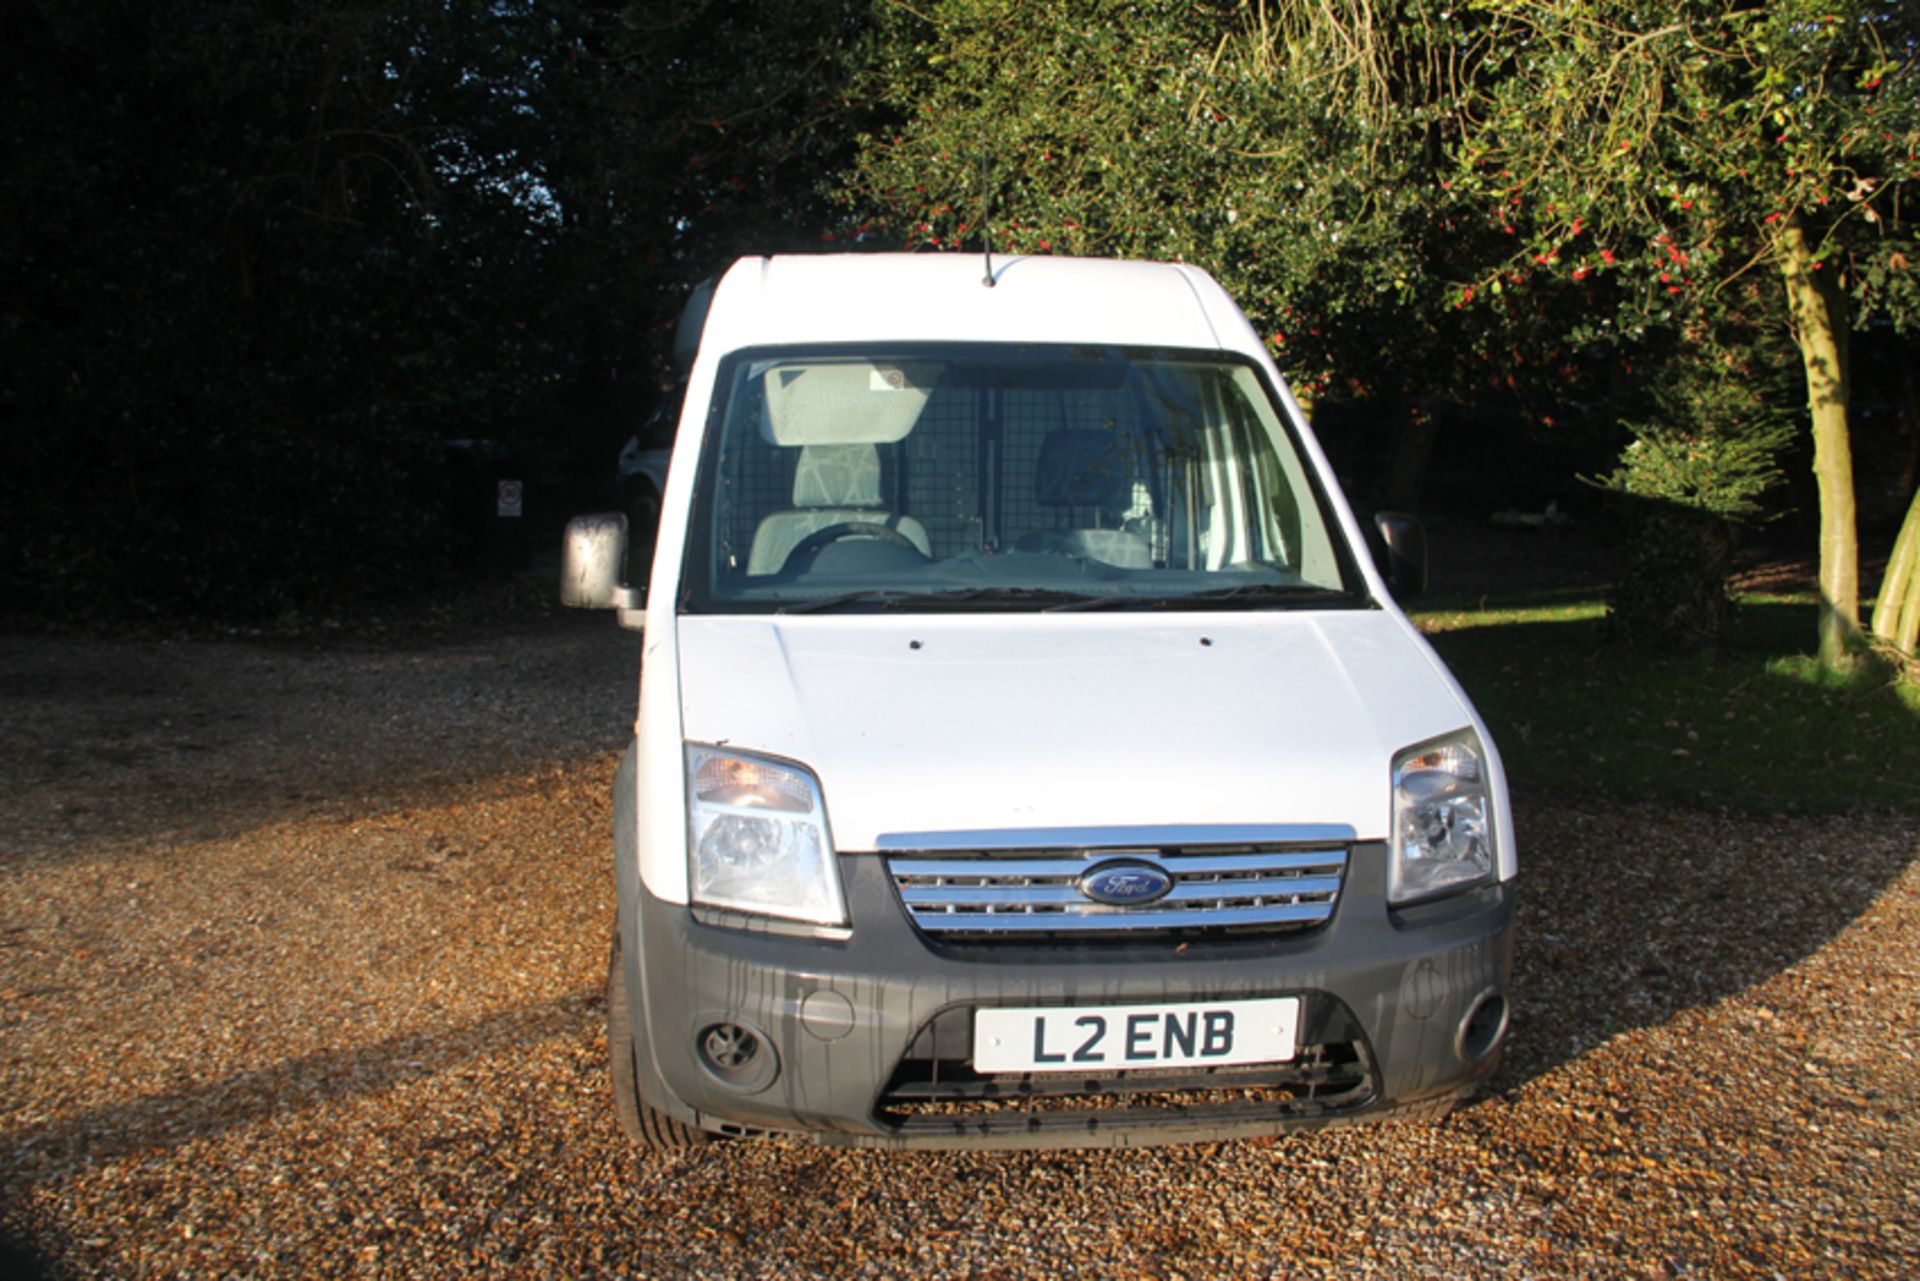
645	1124
1429	1111
1435	1110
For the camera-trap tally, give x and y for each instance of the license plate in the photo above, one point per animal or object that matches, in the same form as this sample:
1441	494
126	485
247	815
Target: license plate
1106	1038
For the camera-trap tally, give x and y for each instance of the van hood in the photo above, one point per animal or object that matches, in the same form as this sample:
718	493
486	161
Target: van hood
967	723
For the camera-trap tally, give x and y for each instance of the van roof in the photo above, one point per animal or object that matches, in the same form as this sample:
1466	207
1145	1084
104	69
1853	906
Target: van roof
853	298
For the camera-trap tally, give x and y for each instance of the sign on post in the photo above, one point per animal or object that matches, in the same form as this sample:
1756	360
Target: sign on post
511	499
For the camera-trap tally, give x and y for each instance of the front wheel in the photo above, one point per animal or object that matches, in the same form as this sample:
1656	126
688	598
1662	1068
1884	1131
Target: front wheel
641	1121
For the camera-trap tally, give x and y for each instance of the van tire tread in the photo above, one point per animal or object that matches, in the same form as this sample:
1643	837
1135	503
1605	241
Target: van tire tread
640	1121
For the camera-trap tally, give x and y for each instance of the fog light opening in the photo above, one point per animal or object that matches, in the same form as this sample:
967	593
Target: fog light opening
729	1047
1484	1027
735	1054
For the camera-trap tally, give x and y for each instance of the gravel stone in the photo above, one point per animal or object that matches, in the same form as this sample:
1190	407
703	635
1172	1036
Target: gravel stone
300	967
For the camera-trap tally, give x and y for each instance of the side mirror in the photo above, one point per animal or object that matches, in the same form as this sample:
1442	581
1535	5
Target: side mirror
590	568
1401	553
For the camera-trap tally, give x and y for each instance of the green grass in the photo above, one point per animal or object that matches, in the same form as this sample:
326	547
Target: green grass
1756	727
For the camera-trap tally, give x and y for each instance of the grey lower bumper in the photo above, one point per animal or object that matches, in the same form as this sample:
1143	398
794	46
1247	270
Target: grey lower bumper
836	1018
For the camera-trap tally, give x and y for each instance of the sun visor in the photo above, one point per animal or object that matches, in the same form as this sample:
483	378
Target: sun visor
854	402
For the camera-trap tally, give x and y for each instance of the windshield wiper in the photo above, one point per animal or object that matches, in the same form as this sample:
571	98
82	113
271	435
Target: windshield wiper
876	595
891	598
1054	600
1074	601
1250	594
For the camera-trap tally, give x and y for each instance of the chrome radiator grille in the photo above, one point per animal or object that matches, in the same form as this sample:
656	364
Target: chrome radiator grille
1033	892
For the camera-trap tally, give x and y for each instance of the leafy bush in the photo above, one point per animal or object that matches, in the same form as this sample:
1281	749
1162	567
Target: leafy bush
1696	473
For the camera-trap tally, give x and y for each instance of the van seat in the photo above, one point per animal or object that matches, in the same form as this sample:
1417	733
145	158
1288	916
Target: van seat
832	485
1087	476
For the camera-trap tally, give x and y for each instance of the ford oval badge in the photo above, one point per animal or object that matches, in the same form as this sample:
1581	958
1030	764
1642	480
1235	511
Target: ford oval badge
1126	884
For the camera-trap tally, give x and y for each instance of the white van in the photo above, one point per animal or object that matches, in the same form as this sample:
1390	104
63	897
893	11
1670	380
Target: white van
1028	752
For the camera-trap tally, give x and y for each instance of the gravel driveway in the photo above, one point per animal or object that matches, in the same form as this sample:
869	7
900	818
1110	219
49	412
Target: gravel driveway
300	959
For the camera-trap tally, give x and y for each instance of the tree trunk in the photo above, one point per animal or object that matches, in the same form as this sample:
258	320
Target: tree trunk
1896	617
1820	333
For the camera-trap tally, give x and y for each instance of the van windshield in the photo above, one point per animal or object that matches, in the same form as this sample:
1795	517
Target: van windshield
994	477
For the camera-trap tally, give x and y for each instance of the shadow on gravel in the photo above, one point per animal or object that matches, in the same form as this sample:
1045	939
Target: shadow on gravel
118	742
163	1121
1629	914
20	1262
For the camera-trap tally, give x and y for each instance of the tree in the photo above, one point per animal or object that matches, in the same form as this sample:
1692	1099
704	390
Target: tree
262	263
217	219
1672	149
663	142
1298	151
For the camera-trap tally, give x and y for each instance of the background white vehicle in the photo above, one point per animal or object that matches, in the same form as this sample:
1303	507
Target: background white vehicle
642	467
1028	752
643	478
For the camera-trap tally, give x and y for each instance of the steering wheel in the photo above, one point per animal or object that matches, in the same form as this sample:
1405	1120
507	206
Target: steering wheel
848	529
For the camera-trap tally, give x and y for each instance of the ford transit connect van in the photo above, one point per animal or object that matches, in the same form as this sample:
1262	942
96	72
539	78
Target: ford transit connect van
1029	750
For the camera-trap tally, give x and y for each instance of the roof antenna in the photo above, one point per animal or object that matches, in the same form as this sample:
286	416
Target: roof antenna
986	232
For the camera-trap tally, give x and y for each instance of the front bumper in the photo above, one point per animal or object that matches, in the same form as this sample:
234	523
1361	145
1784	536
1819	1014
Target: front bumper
857	1034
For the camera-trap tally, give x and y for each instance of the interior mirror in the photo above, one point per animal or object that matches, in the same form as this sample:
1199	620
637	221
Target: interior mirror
1401	553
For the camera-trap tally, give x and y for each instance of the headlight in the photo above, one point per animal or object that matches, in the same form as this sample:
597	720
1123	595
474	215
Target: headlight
1443	837
759	838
